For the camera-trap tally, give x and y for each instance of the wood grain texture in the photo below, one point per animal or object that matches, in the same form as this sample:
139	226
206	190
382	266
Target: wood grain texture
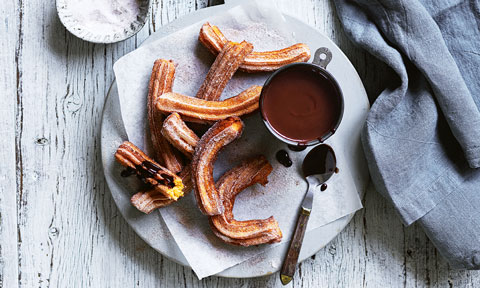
59	226
10	46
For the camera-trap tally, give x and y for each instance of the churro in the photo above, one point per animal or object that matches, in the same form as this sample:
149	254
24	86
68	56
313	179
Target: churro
161	81
222	70
244	233
212	38
150	200
219	135
202	111
179	135
161	179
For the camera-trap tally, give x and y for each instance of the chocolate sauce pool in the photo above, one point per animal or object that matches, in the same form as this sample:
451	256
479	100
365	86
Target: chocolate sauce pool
283	158
320	160
301	103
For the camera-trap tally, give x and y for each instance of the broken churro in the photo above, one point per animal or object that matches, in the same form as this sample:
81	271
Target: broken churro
151	200
161	179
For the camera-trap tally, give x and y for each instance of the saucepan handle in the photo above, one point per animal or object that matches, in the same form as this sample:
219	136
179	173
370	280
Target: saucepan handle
322	57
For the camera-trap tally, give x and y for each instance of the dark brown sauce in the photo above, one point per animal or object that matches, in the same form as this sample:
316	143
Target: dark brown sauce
283	157
297	148
320	160
337	170
146	187
169	180
148	170
302	104
129	171
323	187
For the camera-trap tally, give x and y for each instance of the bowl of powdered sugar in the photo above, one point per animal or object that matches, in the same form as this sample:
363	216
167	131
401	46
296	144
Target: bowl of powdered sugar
103	21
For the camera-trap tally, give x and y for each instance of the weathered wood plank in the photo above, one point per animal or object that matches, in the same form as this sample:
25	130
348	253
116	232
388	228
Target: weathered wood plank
10	47
38	146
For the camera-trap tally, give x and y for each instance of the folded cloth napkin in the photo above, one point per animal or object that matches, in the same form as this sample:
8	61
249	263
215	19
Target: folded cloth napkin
422	136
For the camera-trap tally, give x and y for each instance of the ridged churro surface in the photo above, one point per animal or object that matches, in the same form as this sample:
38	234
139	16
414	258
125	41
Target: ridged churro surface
226	64
179	135
219	135
161	81
203	111
212	38
250	232
159	178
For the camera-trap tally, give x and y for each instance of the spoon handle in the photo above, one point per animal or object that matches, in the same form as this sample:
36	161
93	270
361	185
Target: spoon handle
290	262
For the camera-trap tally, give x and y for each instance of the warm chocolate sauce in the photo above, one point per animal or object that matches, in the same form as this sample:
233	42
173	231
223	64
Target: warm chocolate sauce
323	187
141	175
320	160
301	103
297	148
144	172
129	171
146	187
283	157
151	169
148	170
337	170
168	179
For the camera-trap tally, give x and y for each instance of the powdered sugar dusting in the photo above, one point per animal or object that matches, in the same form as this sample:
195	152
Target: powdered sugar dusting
103	20
259	32
105	15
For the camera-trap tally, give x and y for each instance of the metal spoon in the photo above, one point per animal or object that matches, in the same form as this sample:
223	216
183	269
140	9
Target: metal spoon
318	166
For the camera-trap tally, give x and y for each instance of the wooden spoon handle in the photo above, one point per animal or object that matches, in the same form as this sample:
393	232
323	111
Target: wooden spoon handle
290	262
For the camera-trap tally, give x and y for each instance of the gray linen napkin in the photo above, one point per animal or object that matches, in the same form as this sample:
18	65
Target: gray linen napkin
422	136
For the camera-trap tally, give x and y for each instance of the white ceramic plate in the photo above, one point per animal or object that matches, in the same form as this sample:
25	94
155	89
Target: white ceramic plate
153	230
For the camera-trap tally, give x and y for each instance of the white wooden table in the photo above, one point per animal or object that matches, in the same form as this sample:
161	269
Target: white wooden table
58	224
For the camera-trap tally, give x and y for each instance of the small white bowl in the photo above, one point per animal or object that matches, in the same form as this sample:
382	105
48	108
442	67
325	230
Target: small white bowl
103	21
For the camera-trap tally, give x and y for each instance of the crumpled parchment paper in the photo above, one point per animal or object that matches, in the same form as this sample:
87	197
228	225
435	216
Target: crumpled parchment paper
261	24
